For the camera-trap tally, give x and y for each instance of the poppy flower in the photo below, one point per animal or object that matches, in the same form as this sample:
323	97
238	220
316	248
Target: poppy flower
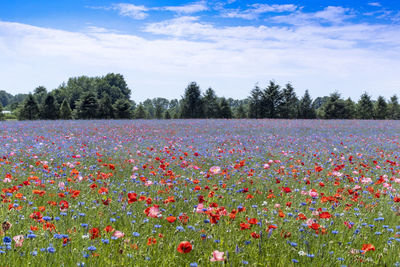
184	247
217	256
367	247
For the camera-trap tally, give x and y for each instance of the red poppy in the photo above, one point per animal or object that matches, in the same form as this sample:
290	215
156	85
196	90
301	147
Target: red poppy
94	232
171	219
255	235
132	197
367	247
325	215
184	247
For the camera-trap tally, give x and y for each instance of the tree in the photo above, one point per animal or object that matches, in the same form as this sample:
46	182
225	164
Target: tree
381	108
306	111
49	108
149	108
350	109
87	106
192	104
118	81
140	112
65	111
335	107
106	109
255	103
289	105
224	109
122	109
40	94
30	109
240	112
271	100
365	108
394	108
160	105
211	106
1	113
167	116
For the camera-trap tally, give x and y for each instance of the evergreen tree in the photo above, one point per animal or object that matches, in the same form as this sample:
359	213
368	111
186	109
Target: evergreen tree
306	110
335	107
365	108
149	108
122	109
192	104
49	108
255	103
381	108
65	111
1	112
224	109
30	109
87	106
106	109
271	100
140	112
289	106
350	109
160	105
167	116
40	94
394	108
240	112
211	107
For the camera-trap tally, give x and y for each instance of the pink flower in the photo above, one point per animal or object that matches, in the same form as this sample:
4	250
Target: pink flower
19	240
217	256
148	183
118	234
215	170
7	180
199	208
266	166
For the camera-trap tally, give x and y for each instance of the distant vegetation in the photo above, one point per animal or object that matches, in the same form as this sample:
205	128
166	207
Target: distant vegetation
109	97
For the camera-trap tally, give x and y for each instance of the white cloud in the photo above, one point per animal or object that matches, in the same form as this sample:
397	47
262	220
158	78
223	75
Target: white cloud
330	14
256	10
350	58
377	4
126	10
189	8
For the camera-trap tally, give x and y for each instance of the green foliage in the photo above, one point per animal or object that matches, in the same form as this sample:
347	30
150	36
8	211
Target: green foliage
335	107
106	108
255	105
271	100
306	110
289	105
192	104
225	111
140	112
122	109
365	107
29	110
393	108
211	106
241	112
1	113
87	106
167	116
49	109
381	108
65	111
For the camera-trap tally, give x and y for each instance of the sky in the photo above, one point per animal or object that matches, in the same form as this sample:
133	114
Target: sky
161	46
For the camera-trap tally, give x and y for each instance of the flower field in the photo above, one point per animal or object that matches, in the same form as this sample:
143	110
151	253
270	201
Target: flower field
200	193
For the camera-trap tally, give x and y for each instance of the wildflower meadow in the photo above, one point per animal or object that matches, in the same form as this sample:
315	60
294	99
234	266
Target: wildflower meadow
200	193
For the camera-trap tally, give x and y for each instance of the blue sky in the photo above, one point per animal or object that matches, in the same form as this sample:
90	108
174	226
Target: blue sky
161	46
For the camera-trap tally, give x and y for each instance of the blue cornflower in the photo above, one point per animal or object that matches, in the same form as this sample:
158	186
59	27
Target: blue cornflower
51	250
92	248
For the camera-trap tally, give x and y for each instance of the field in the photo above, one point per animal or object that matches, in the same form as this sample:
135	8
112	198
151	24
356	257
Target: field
200	193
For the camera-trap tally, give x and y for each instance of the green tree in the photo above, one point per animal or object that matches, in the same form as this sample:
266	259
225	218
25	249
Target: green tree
40	94
65	110
29	110
49	108
306	110
211	106
106	109
335	107
192	104
149	108
225	111
241	112
167	116
1	113
140	112
255	103
122	109
350	109
87	106
271	100
394	108
381	108
289	105
365	107
118	81
160	105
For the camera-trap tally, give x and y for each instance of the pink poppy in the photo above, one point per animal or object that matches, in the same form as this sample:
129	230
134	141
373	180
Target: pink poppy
217	256
215	170
118	234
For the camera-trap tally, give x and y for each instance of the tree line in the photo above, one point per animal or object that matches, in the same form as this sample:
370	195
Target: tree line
108	97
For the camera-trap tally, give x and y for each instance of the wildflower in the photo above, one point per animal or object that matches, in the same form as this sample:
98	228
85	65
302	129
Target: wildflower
217	256
184	247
